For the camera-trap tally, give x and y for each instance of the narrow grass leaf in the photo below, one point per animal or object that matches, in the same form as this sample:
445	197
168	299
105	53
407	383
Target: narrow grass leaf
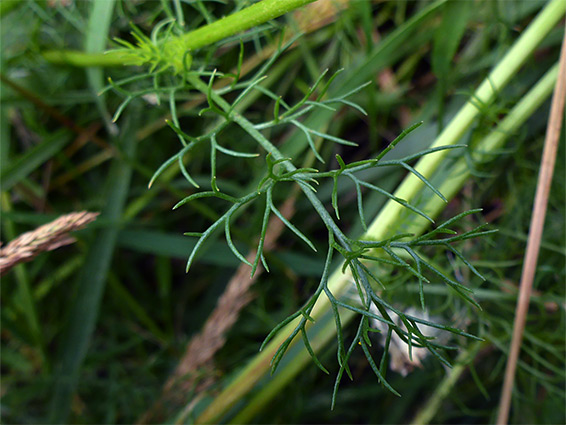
293	228
311	352
33	158
279	326
259	255
231	244
91	280
396	199
235	153
455	16
332	138
376	369
424	180
309	139
203	239
96	40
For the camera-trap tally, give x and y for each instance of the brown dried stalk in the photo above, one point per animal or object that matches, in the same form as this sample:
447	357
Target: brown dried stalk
535	233
48	237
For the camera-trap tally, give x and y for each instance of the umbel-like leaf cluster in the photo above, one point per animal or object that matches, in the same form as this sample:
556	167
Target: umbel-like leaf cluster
360	257
159	51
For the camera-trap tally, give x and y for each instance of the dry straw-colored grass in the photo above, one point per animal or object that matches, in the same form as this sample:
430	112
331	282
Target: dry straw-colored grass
48	237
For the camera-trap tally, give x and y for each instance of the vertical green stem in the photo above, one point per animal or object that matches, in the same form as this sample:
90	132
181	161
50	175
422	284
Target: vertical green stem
95	42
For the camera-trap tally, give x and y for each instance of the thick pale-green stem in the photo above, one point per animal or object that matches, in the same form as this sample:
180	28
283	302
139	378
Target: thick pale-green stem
245	19
385	224
487	148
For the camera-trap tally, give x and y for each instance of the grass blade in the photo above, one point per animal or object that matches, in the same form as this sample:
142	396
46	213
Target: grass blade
91	282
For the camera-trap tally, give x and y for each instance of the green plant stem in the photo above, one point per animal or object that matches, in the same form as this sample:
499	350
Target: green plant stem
252	16
83	59
386	222
95	41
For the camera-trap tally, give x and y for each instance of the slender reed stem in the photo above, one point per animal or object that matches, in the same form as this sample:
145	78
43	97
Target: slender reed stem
535	233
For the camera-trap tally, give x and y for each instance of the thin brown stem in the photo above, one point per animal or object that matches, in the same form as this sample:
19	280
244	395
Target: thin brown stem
535	233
